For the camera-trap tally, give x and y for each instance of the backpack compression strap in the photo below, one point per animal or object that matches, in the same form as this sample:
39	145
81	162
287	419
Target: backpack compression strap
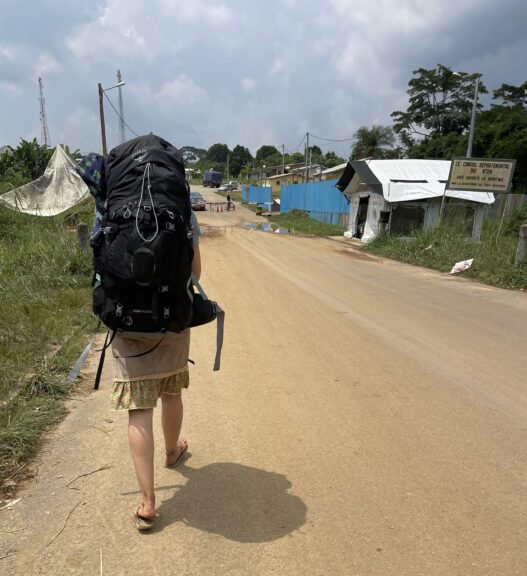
101	360
220	323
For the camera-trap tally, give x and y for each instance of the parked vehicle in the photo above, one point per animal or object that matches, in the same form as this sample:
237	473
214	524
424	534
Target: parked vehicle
228	186
197	202
212	179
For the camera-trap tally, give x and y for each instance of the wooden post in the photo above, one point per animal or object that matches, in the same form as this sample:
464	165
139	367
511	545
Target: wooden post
521	252
84	237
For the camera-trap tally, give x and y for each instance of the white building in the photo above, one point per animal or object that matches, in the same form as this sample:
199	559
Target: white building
405	195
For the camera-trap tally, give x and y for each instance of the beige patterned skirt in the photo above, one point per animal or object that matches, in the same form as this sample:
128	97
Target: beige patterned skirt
140	380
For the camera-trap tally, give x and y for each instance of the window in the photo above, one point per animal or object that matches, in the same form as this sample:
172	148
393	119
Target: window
406	218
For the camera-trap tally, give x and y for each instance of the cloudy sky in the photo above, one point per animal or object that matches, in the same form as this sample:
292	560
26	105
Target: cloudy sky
238	71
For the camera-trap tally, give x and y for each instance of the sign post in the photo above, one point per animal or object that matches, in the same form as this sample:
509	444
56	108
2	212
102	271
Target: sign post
479	175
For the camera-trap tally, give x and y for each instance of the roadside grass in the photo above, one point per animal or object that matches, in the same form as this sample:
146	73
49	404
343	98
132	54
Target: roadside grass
45	321
299	222
439	249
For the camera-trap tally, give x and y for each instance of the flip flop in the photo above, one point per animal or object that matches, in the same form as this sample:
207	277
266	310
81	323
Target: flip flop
141	522
179	458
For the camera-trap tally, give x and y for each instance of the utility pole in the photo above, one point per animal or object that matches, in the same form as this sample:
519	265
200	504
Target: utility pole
101	114
283	159
473	120
306	172
122	134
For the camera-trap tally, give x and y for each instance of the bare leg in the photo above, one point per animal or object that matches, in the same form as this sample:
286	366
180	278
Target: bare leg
141	440
171	420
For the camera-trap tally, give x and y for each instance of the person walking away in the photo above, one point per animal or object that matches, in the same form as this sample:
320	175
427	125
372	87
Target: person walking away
139	382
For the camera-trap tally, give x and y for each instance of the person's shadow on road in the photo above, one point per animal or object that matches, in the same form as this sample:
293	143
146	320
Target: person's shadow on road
238	502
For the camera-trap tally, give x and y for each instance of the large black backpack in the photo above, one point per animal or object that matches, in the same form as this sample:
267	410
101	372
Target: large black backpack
143	254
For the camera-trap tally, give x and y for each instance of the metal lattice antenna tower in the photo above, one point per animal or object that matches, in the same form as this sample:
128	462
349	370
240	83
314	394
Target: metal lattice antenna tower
122	134
44	132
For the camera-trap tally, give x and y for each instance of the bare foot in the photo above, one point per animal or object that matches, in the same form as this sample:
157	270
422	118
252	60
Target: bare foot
174	458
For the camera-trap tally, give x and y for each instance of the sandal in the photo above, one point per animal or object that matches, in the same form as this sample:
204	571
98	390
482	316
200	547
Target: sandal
141	522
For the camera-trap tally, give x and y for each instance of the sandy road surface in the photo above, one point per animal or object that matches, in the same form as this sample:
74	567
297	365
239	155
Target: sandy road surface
369	419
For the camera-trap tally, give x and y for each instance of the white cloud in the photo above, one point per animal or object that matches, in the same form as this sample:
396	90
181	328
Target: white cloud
248	84
46	64
182	91
280	71
148	30
7	53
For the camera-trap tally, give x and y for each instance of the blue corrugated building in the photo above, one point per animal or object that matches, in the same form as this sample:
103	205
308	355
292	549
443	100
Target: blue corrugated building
322	200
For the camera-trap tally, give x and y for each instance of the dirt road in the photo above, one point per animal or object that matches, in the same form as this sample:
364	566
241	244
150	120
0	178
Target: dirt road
369	419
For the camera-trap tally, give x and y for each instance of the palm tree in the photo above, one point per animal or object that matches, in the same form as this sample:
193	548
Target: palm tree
375	142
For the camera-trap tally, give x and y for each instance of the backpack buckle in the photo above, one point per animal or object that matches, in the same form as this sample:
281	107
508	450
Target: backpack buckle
170	215
170	226
147	207
119	310
166	313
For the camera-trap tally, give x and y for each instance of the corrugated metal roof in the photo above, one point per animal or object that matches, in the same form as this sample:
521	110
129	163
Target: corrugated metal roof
407	179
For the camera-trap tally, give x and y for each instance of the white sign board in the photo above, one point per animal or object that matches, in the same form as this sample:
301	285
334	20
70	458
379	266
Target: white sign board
481	175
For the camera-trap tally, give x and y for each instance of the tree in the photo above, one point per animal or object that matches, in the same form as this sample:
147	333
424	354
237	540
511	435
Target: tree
511	95
265	153
502	133
217	153
192	155
31	158
239	158
374	142
294	158
440	103
445	146
330	159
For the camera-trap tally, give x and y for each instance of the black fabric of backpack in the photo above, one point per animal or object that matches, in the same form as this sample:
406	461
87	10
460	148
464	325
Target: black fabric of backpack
143	255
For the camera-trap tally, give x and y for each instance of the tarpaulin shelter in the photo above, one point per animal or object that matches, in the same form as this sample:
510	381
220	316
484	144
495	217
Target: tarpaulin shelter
401	195
57	190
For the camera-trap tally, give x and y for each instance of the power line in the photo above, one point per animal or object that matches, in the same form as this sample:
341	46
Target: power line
291	150
332	139
119	116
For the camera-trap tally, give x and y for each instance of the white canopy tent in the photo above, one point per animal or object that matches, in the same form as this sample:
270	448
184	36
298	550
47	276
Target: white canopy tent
406	180
57	190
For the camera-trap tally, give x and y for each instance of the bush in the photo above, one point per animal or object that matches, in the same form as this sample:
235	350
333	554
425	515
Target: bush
518	216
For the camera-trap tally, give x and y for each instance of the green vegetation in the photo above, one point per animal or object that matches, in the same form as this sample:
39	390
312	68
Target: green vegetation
375	142
436	122
299	222
45	319
440	249
242	163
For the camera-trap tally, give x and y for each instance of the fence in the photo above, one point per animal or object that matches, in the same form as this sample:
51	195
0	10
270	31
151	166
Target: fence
260	195
322	200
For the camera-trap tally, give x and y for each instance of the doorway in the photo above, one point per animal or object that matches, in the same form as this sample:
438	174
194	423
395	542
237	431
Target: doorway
362	215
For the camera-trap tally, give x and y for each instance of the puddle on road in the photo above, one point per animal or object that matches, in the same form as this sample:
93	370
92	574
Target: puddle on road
265	227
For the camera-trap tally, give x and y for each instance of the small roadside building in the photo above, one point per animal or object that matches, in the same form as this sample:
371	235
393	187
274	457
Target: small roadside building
333	173
296	175
406	195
